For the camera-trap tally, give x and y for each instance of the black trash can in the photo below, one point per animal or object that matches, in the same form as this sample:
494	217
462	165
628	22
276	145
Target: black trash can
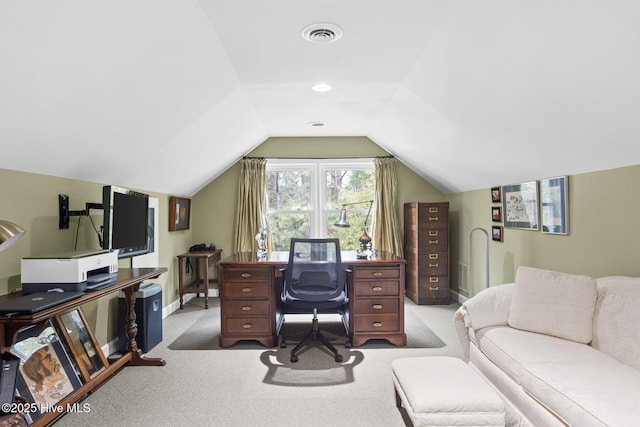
148	307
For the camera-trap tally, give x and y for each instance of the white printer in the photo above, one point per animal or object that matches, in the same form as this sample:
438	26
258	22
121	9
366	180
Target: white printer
68	271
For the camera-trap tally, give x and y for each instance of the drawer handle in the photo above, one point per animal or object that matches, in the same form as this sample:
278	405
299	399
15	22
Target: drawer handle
377	289
433	218
376	274
247	326
433	232
433	256
433	209
434	279
246	275
246	308
434	265
377	324
377	306
433	288
246	290
433	242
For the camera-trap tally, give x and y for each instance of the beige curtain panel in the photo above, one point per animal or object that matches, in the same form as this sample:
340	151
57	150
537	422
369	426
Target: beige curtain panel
252	204
386	228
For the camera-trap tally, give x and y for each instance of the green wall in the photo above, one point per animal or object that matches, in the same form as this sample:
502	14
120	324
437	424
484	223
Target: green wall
31	201
603	236
603	239
214	207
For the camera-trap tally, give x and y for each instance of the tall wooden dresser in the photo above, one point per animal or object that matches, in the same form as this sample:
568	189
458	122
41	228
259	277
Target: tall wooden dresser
426	249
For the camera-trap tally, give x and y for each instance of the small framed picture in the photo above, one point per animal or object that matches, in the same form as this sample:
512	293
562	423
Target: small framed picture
179	213
46	374
82	343
496	233
520	205
496	214
495	195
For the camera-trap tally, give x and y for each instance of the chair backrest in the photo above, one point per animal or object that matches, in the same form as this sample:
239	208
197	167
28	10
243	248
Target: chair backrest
315	271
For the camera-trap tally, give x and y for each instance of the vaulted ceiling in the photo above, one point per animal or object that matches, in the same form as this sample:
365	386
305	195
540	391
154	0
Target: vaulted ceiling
165	95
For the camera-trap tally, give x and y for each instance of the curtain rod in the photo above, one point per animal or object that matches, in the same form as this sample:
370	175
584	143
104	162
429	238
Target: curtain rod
319	158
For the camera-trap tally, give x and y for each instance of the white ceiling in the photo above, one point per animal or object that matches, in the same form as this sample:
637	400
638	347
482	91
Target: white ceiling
164	95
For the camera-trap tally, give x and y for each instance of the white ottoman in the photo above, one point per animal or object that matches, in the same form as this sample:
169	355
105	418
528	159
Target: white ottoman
445	391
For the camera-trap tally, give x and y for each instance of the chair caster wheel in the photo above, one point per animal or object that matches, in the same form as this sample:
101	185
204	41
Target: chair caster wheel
294	358
347	345
338	358
283	344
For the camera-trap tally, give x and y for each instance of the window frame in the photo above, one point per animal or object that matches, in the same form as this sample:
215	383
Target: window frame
318	169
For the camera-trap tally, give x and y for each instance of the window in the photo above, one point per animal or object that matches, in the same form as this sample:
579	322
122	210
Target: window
305	197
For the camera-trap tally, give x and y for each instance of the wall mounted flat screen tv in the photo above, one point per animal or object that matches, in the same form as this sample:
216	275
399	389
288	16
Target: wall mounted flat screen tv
125	225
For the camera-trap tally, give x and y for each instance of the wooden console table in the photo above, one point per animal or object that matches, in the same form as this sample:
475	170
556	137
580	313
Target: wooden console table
128	281
250	306
201	280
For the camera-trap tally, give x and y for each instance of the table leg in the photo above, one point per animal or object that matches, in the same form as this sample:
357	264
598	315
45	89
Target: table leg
131	329
205	281
180	281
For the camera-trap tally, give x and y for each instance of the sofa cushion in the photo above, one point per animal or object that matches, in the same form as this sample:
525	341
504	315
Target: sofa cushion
585	393
513	350
553	303
617	308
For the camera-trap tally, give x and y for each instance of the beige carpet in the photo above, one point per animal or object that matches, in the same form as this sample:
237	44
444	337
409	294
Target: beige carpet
258	386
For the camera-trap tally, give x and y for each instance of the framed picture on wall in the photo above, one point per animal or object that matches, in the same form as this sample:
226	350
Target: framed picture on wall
496	214
179	213
495	195
496	233
520	205
554	205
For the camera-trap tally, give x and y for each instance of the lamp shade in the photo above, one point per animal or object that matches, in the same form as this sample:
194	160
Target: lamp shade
342	221
9	233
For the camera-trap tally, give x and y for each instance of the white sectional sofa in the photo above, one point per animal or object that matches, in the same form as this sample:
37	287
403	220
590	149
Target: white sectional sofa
560	349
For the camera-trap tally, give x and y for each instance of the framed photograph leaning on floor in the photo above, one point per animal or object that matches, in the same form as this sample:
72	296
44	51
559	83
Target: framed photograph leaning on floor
46	373
554	205
82	343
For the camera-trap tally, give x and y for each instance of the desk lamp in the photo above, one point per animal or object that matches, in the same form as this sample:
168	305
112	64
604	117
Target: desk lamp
365	240
9	234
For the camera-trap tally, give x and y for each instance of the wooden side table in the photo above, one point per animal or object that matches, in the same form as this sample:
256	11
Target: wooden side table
201	280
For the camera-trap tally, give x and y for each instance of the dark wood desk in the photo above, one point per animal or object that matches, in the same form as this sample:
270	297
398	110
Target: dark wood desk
201	280
128	281
250	306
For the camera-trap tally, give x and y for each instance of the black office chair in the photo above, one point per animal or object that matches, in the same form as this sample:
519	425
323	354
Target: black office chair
314	280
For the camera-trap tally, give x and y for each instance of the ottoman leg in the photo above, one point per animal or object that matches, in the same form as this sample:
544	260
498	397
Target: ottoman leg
398	400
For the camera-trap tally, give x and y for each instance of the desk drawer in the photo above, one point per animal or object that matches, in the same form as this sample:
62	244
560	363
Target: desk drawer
376	273
377	287
247	325
246	307
380	323
366	306
246	274
246	290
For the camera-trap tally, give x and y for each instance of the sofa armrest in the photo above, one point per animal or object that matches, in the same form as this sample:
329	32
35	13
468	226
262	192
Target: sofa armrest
490	307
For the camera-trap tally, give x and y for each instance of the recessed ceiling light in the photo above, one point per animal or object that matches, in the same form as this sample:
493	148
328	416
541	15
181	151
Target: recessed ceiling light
322	33
316	124
321	87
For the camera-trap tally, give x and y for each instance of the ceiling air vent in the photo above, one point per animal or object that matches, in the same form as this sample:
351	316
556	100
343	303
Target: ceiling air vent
322	33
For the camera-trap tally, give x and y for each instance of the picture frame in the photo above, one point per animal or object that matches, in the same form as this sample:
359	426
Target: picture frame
46	374
496	214
497	233
520	205
179	213
554	205
496	196
82	344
